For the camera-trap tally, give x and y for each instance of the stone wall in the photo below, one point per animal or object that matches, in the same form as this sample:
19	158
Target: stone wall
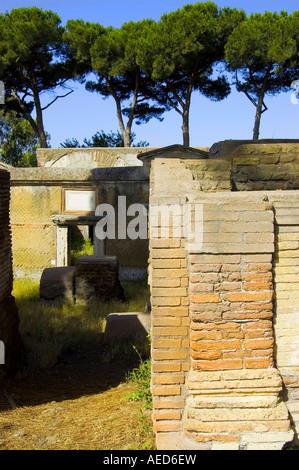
224	290
96	157
37	196
223	273
9	322
250	167
286	283
89	157
5	246
255	167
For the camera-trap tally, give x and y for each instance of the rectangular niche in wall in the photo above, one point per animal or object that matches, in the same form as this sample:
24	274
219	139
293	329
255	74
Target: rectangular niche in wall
81	201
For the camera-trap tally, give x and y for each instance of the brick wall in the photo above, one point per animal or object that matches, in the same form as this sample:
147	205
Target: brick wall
5	245
231	331
9	322
216	378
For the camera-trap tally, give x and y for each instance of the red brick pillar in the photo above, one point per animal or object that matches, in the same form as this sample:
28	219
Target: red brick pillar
9	320
214	383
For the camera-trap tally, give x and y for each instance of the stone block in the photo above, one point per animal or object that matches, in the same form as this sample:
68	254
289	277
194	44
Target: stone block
177	441
238	414
130	325
268	438
57	284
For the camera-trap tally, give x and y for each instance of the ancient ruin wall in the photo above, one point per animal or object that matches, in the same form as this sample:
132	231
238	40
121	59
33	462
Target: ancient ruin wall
37	196
224	316
5	246
9	322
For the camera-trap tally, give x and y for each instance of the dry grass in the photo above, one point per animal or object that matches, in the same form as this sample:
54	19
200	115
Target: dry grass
75	395
67	416
48	331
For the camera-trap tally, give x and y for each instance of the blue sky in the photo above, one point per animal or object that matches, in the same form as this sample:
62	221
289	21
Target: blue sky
82	113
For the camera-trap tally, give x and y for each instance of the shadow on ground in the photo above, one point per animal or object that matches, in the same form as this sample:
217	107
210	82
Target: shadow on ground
80	373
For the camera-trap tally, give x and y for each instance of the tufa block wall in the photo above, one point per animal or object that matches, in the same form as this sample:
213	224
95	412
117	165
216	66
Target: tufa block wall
224	316
265	167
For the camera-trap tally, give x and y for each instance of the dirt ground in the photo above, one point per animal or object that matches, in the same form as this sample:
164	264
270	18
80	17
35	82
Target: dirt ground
80	404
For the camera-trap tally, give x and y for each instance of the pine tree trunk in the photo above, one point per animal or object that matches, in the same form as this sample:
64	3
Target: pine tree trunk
25	112
259	107
125	132
185	129
39	114
185	126
127	138
257	122
40	126
186	108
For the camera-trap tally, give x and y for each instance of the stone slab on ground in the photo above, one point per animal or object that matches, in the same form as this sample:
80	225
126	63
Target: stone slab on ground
57	284
127	325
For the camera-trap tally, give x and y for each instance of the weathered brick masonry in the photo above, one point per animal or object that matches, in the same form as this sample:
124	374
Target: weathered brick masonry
224	310
9	322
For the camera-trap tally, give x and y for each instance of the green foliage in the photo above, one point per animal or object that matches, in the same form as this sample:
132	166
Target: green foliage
101	139
180	52
49	330
263	53
25	31
18	142
33	60
112	55
80	247
70	143
261	40
79	36
145	425
141	376
147	67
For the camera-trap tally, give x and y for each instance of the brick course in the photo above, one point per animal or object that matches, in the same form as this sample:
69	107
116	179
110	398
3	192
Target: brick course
225	348
9	320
